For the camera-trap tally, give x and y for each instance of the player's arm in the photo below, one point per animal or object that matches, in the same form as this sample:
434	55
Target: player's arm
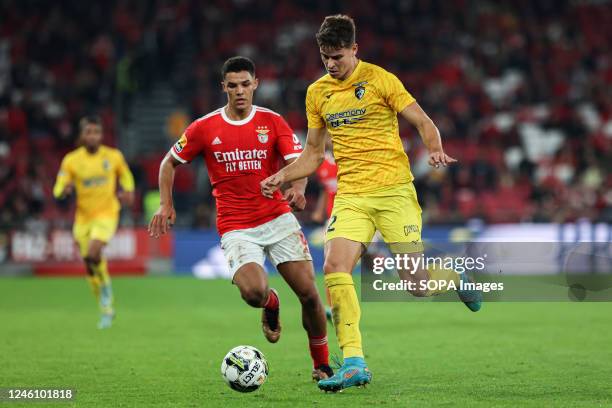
126	181
64	184
306	164
429	133
165	215
295	195
183	151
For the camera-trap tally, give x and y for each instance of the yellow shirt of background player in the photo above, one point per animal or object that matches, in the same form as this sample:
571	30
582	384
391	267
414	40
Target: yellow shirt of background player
95	181
360	114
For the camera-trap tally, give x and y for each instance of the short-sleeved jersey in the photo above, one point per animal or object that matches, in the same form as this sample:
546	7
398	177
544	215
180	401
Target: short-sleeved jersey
327	174
94	177
239	155
360	114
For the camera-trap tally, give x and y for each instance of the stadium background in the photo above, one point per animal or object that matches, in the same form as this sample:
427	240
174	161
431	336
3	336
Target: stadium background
521	92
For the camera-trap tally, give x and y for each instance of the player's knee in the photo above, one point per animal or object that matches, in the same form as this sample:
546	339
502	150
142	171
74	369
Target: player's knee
93	258
335	265
254	296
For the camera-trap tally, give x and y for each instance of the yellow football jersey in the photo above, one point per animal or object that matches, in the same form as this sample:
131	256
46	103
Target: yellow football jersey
360	114
95	181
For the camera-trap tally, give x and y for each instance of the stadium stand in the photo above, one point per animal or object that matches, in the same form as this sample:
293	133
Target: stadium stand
522	97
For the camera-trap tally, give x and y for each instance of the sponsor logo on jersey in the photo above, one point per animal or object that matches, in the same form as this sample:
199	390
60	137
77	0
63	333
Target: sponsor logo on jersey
240	160
180	145
94	181
262	133
347	117
217	141
105	165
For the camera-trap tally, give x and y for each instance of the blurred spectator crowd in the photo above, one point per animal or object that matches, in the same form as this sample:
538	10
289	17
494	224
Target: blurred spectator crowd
521	92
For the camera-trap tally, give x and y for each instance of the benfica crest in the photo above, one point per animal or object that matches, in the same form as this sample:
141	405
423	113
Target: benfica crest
262	134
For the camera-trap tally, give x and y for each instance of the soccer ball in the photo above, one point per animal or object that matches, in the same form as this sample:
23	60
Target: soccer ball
244	368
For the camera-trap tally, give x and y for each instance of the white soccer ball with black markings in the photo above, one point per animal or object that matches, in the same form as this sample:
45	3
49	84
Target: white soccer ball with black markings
244	368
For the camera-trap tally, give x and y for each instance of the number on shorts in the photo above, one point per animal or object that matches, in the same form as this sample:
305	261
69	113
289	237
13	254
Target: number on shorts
330	226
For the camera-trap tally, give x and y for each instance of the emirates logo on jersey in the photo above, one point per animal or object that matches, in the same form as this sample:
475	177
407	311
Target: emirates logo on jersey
262	133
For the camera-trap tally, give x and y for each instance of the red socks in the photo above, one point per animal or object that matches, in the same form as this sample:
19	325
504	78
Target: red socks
319	350
272	302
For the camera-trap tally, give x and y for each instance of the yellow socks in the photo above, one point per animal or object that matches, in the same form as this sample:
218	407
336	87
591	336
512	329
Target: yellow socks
101	270
346	312
94	283
106	299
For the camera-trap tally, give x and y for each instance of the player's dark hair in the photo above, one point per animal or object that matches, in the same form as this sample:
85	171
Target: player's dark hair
238	64
337	31
89	120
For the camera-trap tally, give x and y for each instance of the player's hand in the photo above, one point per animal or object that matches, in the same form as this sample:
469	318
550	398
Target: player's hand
271	184
162	221
126	198
440	158
295	198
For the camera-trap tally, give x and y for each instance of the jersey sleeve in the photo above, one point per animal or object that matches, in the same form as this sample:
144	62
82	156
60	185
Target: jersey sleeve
287	143
313	112
394	93
64	177
126	178
189	145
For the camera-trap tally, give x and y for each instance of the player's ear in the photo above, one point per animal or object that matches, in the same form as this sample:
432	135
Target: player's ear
255	83
223	86
355	48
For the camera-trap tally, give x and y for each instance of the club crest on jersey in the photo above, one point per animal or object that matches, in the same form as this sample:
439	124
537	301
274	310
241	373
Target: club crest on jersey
105	165
262	134
360	89
180	145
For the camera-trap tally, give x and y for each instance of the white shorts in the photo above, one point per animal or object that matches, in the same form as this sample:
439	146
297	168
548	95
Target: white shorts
280	239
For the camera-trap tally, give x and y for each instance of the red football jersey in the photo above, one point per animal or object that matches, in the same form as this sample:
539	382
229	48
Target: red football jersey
328	177
239	154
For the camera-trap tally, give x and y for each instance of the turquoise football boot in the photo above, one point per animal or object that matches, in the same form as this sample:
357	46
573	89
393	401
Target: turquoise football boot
471	298
106	321
353	373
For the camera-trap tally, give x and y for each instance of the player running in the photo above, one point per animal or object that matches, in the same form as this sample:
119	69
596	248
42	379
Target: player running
92	171
357	104
243	144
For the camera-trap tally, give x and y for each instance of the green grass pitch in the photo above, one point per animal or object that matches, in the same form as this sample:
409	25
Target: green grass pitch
170	334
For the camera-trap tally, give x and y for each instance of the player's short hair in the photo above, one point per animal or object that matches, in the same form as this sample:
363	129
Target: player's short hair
89	120
337	31
238	64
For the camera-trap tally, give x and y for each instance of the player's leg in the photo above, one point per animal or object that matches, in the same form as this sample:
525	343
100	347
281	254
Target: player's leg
81	233
99	267
293	261
350	225
245	260
101	233
252	281
398	217
299	275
